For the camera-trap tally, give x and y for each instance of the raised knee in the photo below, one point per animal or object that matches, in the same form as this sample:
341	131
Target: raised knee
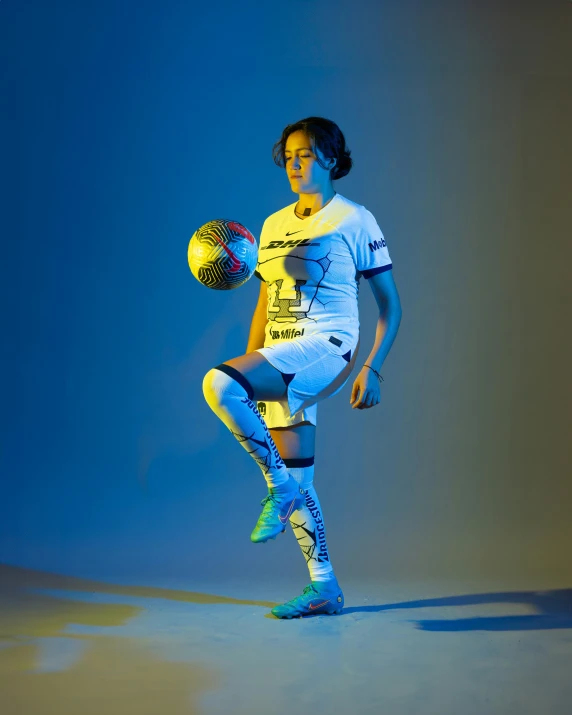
225	381
208	380
213	386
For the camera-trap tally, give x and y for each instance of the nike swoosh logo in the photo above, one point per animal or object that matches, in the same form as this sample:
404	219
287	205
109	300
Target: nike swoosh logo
312	607
235	261
293	232
234	226
285	518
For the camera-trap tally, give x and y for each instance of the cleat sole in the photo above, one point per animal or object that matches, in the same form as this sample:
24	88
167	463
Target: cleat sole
268	538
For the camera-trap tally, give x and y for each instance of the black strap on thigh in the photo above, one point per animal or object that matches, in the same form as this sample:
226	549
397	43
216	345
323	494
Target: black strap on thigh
299	462
238	376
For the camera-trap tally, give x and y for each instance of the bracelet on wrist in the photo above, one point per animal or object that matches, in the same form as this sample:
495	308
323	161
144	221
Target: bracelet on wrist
379	377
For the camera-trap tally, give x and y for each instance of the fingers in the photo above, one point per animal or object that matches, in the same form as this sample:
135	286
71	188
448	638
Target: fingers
355	396
365	401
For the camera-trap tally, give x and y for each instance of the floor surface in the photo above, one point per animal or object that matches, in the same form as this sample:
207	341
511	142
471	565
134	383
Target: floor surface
69	645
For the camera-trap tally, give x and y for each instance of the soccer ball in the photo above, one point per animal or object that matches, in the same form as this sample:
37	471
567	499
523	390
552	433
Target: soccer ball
222	254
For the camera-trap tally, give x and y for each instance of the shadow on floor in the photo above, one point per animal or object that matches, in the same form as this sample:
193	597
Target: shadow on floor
15	579
554	610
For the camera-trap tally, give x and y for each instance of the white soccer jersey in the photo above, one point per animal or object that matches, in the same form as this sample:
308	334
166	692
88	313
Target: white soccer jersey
312	268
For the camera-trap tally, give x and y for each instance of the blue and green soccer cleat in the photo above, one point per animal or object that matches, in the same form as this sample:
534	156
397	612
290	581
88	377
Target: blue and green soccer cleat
278	508
319	597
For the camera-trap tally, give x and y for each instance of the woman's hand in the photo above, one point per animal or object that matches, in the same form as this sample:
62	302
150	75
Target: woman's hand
366	390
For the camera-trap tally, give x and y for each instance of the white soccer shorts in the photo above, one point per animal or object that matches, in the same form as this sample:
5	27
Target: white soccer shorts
314	367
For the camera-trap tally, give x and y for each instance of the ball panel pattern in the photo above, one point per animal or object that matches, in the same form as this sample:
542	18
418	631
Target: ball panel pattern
222	254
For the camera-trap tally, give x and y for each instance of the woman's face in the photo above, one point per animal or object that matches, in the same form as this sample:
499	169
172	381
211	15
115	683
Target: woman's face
306	176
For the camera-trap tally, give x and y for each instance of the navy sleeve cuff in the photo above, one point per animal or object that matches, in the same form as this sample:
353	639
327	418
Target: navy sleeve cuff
374	271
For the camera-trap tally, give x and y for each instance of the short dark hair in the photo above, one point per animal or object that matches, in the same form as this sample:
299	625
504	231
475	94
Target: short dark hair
324	134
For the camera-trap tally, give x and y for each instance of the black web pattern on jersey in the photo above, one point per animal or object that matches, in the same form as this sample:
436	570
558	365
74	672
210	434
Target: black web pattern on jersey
264	459
287	306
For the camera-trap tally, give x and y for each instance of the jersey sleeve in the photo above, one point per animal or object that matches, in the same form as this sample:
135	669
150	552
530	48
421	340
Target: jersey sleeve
370	249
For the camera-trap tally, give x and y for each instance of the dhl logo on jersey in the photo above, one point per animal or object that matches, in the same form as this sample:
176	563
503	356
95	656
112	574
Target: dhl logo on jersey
293	243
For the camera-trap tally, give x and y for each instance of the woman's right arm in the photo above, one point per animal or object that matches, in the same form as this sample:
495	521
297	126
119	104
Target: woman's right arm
259	320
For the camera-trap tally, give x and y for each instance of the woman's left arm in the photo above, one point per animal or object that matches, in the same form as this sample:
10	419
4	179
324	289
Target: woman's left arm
366	388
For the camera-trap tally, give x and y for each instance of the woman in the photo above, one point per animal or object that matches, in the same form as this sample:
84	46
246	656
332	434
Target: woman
303	343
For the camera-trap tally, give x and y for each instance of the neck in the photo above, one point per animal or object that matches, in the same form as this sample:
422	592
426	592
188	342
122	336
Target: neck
314	202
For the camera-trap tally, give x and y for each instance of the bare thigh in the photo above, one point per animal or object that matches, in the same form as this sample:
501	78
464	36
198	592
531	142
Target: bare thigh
293	442
296	441
266	381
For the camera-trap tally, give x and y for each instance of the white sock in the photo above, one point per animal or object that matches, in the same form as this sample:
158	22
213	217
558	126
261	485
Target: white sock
229	395
307	522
